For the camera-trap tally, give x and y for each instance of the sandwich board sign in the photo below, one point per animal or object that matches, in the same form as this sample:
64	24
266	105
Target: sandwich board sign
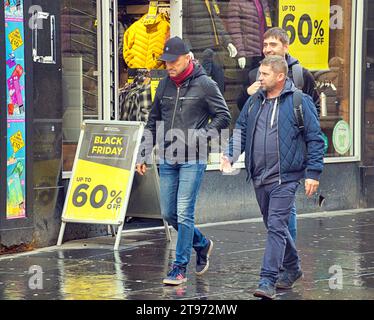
102	175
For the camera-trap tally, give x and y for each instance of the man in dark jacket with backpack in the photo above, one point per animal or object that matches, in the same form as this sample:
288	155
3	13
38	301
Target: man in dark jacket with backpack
187	110
277	156
276	42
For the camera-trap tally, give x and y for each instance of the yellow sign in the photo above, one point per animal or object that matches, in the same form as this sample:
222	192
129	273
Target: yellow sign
16	141
97	192
103	172
15	39
307	24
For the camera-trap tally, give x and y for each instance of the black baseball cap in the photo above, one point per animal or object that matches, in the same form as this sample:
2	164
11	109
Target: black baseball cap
174	48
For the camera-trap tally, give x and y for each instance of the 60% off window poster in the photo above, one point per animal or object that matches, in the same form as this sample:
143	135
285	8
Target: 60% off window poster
307	24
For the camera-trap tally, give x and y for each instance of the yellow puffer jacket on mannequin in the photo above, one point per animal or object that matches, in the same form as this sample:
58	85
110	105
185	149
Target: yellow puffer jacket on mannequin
144	44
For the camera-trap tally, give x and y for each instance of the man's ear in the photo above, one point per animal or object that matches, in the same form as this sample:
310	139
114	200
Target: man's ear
281	77
286	47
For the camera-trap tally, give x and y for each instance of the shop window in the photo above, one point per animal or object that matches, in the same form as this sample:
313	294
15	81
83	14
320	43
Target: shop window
143	29
213	28
368	86
334	84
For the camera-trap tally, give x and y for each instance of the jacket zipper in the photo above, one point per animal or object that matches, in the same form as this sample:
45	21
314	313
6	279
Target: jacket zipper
254	128
175	108
266	132
279	160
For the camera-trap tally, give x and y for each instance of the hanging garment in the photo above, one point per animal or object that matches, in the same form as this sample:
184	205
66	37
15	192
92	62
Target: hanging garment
144	43
246	24
202	25
213	69
135	102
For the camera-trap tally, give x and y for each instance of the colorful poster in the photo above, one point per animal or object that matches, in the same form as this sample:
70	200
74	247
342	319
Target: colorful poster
15	105
307	24
16	166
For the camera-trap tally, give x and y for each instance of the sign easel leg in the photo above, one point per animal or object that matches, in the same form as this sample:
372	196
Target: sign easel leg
118	237
61	234
167	231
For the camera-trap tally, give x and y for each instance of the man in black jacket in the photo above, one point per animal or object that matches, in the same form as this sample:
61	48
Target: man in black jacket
187	110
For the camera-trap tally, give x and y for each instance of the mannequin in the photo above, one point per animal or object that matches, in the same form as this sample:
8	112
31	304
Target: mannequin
247	21
204	28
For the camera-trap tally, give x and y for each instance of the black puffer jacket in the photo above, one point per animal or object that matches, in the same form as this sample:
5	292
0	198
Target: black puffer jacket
202	25
190	106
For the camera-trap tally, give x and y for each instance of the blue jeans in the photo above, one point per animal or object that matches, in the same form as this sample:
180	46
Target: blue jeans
275	203
179	186
292	223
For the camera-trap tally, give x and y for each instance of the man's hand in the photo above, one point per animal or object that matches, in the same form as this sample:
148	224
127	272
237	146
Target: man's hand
225	165
251	90
311	187
141	168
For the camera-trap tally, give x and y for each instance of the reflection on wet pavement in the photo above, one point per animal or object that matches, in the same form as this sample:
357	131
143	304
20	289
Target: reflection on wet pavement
337	254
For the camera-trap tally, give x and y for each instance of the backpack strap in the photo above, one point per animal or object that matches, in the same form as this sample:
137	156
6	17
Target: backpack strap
297	75
297	97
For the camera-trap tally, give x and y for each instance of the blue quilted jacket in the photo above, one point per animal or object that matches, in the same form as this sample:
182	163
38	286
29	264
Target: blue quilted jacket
300	152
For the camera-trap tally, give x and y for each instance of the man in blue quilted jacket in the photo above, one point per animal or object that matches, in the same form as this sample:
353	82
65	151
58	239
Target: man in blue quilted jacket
278	154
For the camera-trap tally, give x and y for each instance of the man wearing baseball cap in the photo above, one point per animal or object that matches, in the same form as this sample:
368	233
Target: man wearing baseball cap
188	109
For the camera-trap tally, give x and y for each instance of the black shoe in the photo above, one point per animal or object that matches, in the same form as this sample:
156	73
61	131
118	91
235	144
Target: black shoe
265	290
202	258
287	279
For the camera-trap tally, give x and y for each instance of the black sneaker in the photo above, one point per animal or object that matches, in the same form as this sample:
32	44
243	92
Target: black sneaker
202	258
265	290
176	276
287	279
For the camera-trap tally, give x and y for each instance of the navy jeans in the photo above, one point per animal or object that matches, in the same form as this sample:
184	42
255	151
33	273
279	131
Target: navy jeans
179	186
275	201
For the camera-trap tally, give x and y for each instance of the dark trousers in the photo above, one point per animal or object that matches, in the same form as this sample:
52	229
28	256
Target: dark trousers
275	201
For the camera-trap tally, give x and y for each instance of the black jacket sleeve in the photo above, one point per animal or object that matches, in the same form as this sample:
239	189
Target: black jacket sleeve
218	109
310	88
149	134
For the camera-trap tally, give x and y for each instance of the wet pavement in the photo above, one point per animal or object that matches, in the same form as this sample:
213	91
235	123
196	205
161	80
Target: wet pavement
336	250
